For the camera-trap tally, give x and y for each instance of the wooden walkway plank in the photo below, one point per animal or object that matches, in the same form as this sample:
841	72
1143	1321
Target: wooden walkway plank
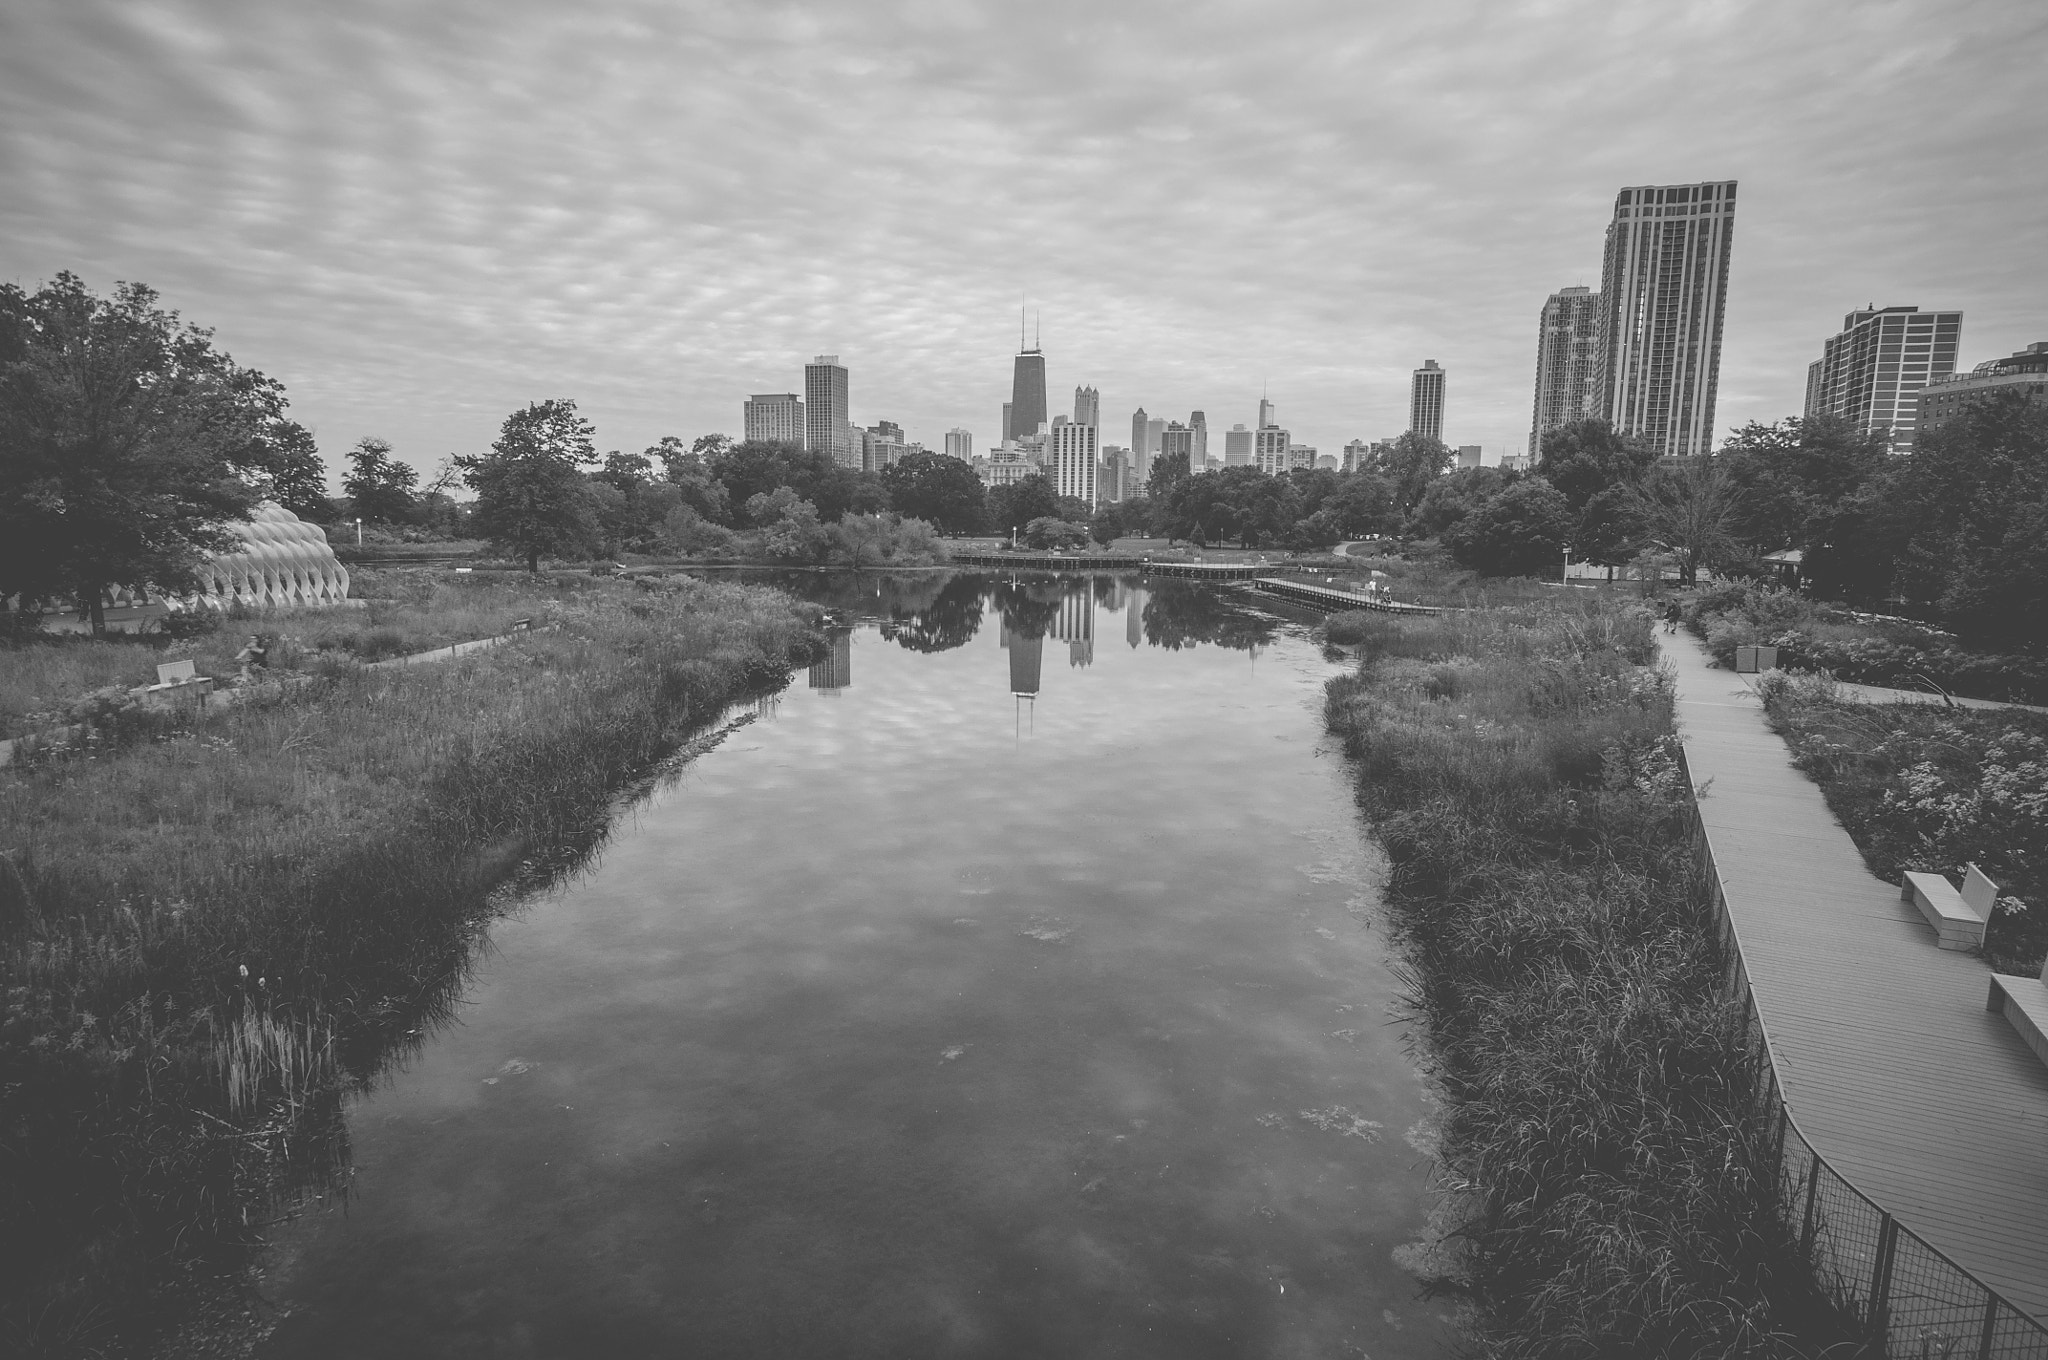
1886	1056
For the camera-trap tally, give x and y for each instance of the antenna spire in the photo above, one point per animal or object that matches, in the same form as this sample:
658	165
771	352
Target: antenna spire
1036	318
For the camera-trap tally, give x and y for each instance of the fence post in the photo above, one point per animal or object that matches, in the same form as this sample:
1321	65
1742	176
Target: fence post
1809	1224
1990	1332
1881	1274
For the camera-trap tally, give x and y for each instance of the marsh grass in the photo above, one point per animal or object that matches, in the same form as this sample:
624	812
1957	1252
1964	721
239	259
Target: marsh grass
43	680
217	927
1934	789
1519	766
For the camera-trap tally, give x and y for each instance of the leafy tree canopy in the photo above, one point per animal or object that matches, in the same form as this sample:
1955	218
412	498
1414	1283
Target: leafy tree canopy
1520	532
127	443
1792	476
378	486
1585	457
940	490
530	496
1016	504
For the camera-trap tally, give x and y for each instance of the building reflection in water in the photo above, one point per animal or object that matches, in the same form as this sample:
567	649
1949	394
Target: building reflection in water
1075	626
834	671
1134	617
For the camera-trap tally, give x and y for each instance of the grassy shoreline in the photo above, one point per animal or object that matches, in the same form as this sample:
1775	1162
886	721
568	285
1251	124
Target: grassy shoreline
1519	767
209	933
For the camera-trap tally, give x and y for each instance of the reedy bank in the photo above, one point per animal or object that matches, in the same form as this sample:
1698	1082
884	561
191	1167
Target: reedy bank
212	930
1518	765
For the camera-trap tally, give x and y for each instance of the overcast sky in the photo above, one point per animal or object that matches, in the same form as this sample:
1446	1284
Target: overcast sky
420	215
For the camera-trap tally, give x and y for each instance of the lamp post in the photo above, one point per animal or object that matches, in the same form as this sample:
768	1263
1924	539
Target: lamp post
359	533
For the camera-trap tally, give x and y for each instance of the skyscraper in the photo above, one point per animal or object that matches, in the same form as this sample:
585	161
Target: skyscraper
1071	451
826	428
1567	362
960	444
1269	449
1469	455
1087	406
1663	287
1177	442
1357	454
1027	390
1267	413
1426	401
1871	375
1199	423
774	417
1237	446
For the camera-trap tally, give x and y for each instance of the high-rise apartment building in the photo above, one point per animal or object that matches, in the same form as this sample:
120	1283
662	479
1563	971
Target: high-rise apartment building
774	418
1027	395
1087	406
1567	361
1198	421
1301	456
2024	374
960	444
1071	453
1663	287
1469	455
826	428
881	446
1357	454
1141	463
1871	374
1237	446
1426	401
1177	445
1269	449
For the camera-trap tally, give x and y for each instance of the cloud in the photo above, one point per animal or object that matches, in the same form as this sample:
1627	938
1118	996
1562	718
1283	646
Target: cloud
421	216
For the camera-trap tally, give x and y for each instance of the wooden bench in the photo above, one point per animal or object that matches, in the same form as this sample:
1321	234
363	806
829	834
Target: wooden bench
1958	918
2024	1002
177	681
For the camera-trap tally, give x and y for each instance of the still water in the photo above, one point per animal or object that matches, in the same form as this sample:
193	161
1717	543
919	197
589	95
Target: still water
1010	985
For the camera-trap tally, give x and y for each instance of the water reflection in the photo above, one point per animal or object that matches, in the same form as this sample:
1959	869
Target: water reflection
882	1033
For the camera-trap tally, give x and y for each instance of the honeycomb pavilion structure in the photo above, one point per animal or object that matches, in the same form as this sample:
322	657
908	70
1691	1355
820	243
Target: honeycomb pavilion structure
282	563
279	562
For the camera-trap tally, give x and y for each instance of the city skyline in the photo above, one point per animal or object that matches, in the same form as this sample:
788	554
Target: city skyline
376	209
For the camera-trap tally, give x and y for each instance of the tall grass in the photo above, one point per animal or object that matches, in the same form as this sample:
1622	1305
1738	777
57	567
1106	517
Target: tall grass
404	610
1520	768
210	930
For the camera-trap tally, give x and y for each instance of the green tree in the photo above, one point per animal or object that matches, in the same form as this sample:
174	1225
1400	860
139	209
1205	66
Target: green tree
940	490
1411	464
1457	494
127	444
626	471
1520	532
1107	525
1970	507
530	495
1792	477
1015	504
378	486
292	472
1585	457
1690	508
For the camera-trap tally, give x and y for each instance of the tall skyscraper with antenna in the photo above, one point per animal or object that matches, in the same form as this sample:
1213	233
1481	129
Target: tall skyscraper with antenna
1027	388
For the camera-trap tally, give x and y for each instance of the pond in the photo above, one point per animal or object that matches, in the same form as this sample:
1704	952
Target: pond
1012	984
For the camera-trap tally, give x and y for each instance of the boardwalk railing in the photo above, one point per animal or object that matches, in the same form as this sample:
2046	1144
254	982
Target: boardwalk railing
1327	598
1911	1295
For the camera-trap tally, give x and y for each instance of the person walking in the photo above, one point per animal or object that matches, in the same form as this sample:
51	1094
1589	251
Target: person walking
1672	614
254	657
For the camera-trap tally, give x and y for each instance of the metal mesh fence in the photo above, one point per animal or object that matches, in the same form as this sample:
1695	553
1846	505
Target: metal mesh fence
1925	1306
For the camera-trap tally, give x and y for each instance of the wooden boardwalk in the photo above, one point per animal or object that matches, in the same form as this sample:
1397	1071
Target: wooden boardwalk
1930	1105
1332	600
